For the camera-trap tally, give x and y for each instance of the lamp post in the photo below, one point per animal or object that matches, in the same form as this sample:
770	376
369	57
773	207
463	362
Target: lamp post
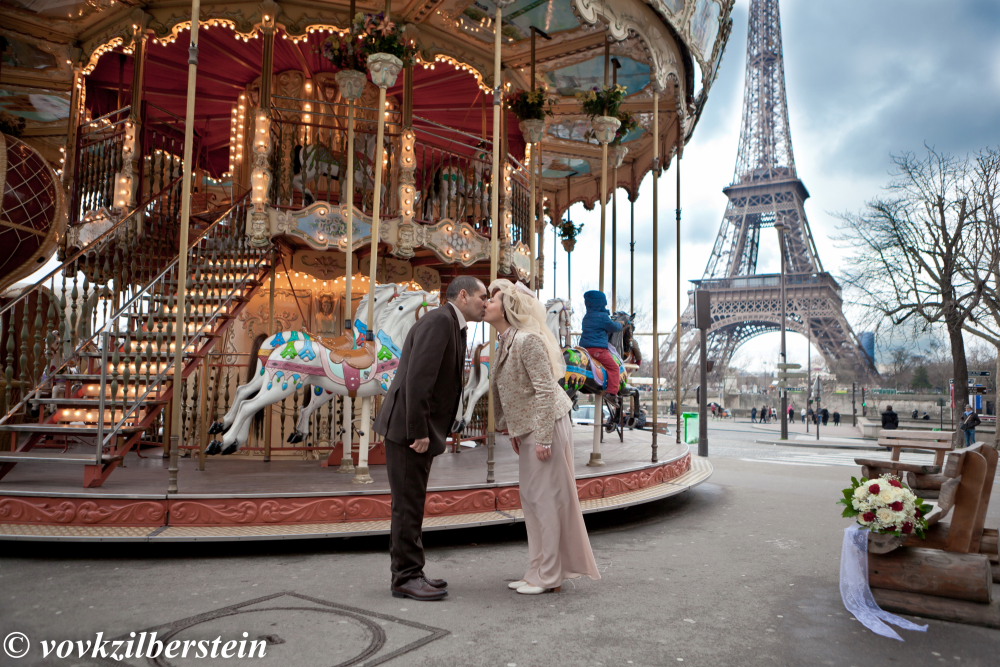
783	390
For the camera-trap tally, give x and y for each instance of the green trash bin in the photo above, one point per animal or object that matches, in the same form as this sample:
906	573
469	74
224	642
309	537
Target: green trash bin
690	428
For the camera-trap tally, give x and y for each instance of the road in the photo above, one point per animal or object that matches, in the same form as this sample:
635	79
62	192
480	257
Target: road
741	570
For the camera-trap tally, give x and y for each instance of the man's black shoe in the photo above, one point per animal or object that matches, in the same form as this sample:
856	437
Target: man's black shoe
437	583
418	589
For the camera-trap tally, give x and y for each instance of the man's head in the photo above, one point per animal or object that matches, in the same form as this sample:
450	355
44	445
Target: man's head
469	296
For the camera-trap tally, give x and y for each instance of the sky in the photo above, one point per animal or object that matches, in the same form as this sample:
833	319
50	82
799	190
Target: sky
864	80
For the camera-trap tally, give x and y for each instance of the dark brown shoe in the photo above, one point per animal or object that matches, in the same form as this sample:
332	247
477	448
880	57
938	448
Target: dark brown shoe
437	583
418	589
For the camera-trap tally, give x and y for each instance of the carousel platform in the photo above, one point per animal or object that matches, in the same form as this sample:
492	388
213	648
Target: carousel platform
245	498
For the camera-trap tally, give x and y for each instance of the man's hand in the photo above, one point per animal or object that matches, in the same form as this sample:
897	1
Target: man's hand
420	445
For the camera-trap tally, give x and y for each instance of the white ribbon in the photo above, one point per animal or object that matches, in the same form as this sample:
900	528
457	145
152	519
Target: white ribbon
856	593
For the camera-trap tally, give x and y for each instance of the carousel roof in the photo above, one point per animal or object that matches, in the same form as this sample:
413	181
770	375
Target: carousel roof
673	46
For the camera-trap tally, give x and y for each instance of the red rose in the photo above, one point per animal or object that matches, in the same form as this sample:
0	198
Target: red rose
890	529
896	483
897	506
868	516
874	490
918	513
907	527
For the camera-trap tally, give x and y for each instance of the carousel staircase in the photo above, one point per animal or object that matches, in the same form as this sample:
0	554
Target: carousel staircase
101	401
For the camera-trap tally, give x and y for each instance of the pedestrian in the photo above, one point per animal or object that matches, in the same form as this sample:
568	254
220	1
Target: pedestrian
825	416
926	416
415	418
753	415
763	414
836	418
803	415
812	416
890	420
533	410
595	337
970	420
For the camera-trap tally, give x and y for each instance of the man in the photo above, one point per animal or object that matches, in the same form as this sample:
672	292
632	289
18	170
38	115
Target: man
970	420
415	418
890	420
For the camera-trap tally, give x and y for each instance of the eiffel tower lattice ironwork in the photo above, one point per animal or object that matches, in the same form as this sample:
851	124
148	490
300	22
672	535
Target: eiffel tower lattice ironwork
766	190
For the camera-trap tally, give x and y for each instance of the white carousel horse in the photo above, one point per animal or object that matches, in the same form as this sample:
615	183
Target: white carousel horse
558	315
559	318
343	369
475	387
263	347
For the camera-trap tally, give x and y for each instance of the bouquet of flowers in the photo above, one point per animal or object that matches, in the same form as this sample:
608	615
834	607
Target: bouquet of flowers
885	505
345	52
370	33
530	104
603	101
378	34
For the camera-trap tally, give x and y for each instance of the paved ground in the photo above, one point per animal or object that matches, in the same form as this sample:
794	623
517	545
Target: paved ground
742	570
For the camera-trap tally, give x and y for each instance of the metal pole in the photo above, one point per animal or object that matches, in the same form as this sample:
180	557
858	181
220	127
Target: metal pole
656	262
809	364
631	251
494	221
783	390
677	212
604	180
854	406
703	403
182	260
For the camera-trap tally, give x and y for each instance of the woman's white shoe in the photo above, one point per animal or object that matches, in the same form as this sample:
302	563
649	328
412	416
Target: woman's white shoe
514	585
528	589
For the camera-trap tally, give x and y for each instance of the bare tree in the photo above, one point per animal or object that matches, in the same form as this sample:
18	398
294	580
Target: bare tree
982	265
911	246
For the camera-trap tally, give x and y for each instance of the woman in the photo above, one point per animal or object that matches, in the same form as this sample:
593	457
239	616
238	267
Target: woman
970	420
533	409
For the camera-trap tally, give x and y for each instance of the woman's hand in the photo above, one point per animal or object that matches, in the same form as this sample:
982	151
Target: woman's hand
543	452
516	444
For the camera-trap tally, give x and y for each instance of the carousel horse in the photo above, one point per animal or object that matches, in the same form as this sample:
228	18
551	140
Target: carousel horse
446	194
312	161
342	367
586	375
264	344
475	387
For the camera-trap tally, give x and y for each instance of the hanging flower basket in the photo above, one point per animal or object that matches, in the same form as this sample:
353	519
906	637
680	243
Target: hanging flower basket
384	68
532	129
605	128
603	101
569	244
568	233
351	83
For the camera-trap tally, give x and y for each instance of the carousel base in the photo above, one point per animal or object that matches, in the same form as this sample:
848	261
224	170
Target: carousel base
244	498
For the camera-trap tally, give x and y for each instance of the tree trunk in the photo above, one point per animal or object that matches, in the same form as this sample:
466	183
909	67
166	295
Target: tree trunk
996	401
960	367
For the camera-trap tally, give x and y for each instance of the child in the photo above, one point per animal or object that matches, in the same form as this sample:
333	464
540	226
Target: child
597	329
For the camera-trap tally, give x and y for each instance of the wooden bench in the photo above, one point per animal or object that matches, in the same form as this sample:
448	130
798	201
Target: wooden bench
949	574
924	479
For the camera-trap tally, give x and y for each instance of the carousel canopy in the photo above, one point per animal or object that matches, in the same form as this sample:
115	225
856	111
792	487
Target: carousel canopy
670	46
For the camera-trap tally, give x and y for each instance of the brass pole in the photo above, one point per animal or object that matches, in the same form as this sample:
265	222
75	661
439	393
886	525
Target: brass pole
656	264
494	222
182	260
677	212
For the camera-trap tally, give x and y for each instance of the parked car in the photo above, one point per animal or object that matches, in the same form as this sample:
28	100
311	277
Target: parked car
584	415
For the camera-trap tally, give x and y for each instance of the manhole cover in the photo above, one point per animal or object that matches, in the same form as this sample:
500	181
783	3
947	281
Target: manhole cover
293	629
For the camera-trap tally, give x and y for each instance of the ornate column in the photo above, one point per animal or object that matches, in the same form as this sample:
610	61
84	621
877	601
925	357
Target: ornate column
260	175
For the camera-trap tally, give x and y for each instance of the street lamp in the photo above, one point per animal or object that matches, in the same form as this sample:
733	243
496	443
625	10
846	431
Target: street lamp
783	390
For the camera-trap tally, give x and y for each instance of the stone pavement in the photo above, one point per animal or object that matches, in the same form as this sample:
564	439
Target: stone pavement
741	570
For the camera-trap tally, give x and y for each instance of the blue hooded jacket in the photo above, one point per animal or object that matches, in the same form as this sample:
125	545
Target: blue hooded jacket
597	323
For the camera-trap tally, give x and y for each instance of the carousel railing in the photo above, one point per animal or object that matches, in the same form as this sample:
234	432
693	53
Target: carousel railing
98	159
138	341
47	325
453	173
309	154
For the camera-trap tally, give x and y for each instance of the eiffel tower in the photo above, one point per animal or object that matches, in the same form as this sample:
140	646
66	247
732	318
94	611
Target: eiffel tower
766	190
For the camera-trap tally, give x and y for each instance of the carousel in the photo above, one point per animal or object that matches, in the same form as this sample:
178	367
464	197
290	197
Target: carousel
221	221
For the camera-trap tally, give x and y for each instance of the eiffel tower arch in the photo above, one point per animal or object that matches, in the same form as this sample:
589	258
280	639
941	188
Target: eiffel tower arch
766	190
